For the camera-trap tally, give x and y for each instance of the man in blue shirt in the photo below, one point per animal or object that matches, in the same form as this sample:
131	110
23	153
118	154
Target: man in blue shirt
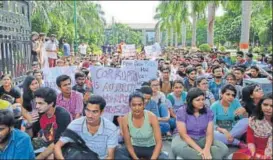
100	135
14	144
217	82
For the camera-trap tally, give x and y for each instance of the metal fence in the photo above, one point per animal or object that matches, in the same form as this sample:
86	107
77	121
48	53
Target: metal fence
15	43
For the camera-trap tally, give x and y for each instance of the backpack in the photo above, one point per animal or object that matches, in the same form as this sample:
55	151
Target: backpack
183	97
77	149
160	83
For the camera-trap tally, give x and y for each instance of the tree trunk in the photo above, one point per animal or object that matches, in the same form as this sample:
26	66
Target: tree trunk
184	34
193	38
210	23
245	28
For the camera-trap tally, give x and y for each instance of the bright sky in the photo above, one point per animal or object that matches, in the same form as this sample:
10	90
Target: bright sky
133	11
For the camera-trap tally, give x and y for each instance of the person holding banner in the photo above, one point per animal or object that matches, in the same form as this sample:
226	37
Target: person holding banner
141	132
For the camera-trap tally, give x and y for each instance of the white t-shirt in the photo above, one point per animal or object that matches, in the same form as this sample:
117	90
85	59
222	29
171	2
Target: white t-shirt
49	45
82	49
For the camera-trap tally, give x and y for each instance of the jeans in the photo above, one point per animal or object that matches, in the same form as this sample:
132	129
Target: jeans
164	127
180	148
236	132
141	152
172	123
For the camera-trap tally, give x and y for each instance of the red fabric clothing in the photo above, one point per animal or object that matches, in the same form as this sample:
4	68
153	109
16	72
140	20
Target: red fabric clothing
260	143
48	126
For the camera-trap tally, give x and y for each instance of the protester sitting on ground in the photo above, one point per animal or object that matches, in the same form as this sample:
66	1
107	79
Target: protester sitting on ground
161	111
30	85
202	83
195	130
38	74
259	132
231	79
177	99
249	61
8	90
240	58
189	81
255	73
141	132
71	100
165	81
14	143
100	135
52	122
217	82
239	73
181	72
229	123
252	94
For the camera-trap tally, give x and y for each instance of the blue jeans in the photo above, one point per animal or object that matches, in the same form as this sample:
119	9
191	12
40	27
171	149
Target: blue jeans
172	123
236	132
164	127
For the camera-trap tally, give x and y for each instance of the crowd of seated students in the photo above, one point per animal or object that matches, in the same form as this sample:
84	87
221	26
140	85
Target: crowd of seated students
203	112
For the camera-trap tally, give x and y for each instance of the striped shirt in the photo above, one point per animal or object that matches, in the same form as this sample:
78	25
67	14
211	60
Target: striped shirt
105	138
73	105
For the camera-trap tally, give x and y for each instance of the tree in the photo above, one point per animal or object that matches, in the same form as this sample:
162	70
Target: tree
245	28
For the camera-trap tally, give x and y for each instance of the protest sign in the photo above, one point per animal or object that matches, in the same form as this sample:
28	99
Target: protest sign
114	85
153	51
128	50
51	74
147	69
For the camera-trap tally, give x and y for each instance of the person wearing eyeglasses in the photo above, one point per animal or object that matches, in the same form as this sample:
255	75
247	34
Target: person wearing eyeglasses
100	134
202	83
229	123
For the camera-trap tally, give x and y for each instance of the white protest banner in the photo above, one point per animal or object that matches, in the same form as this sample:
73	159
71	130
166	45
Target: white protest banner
51	74
114	85
147	69
153	51
128	50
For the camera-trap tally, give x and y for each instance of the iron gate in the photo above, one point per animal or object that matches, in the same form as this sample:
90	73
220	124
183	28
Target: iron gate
15	43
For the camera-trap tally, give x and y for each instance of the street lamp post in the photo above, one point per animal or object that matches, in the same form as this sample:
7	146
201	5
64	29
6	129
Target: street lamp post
75	26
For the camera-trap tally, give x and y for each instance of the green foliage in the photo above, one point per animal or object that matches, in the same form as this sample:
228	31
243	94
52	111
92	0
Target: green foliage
201	32
121	32
57	17
256	50
270	49
205	47
222	48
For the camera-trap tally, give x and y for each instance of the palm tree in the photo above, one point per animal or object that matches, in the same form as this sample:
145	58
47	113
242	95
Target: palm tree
212	6
196	8
245	27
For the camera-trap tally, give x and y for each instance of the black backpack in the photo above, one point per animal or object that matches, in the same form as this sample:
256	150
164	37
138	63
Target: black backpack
77	149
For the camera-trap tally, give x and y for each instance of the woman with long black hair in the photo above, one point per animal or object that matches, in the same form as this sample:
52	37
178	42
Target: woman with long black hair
30	85
251	95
